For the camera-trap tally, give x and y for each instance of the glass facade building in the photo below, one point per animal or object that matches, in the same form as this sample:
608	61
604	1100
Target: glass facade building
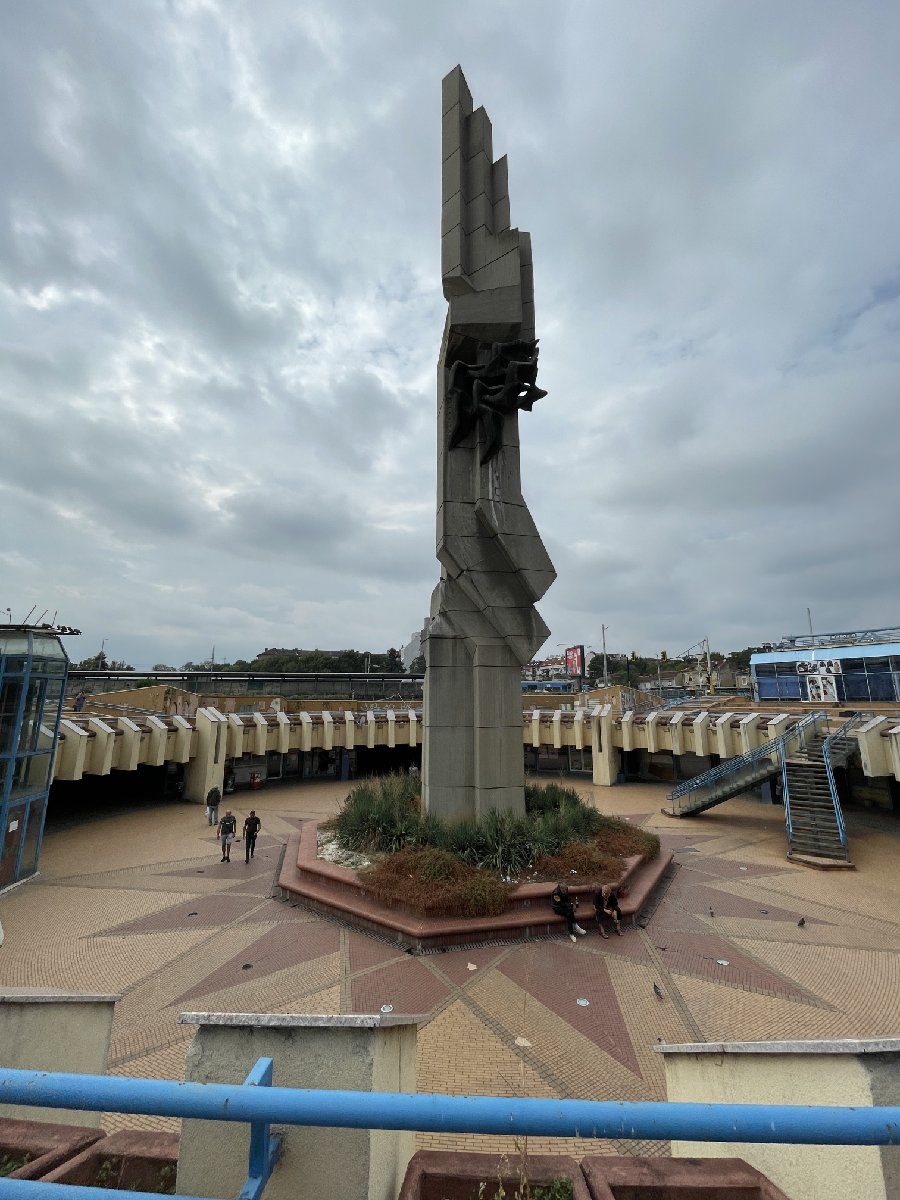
33	670
835	674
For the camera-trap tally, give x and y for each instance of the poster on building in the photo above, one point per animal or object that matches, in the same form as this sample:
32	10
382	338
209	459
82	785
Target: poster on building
575	660
821	666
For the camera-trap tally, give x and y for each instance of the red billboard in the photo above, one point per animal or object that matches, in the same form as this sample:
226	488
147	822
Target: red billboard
575	660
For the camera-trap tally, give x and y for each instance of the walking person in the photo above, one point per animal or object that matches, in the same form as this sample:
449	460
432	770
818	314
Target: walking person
226	830
251	829
213	796
564	906
606	904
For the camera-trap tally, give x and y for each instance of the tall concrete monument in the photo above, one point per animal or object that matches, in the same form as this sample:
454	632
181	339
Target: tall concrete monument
484	626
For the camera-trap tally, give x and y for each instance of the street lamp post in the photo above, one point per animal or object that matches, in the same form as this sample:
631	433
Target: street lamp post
603	629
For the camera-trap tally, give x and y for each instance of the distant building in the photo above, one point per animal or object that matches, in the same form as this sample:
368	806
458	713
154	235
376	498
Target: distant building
830	668
413	648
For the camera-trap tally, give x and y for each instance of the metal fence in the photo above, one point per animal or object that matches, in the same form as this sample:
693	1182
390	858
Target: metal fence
258	1103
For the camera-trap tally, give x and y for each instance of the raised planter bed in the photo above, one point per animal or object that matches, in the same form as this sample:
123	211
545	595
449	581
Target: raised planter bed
133	1160
621	1178
335	891
29	1149
461	1175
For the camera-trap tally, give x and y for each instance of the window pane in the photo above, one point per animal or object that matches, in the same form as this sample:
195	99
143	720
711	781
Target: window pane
874	665
856	686
28	864
14	643
881	686
852	664
10	695
768	689
786	670
789	689
47	647
10	836
31	716
765	670
30	774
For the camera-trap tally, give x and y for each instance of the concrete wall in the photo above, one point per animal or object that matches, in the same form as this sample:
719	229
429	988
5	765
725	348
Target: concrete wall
45	1030
359	1053
863	1073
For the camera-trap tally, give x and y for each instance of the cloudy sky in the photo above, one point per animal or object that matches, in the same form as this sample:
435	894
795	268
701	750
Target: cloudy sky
220	311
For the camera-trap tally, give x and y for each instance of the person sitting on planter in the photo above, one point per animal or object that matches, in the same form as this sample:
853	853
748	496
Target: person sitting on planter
606	903
564	906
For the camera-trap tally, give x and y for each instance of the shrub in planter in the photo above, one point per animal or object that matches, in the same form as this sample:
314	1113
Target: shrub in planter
462	1175
586	859
435	883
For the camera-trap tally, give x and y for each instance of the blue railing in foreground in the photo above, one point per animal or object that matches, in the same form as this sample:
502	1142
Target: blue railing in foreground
260	1104
801	1124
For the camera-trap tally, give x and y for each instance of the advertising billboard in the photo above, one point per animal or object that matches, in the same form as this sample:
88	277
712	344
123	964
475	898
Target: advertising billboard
575	660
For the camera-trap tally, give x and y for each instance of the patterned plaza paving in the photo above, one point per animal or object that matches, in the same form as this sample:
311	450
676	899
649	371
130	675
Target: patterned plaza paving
137	902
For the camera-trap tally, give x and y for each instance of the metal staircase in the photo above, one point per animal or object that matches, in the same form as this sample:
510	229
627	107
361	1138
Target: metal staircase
737	775
812	809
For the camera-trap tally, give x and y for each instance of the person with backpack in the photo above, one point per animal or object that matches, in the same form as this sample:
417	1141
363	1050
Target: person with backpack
251	829
227	829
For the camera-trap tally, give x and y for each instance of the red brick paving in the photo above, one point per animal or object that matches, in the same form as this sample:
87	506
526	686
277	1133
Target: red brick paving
286	945
729	868
209	912
692	954
630	945
408	985
455	963
700	898
368	952
558	978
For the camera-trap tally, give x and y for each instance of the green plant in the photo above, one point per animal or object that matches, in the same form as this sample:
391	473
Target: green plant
557	1189
12	1162
108	1171
383	817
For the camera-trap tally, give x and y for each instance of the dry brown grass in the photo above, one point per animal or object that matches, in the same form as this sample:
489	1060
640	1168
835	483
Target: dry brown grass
435	883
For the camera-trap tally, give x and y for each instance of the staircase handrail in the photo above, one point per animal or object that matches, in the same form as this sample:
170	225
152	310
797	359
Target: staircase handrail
827	745
786	801
732	765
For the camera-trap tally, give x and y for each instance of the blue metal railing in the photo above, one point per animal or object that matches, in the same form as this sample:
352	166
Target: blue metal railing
786	801
827	747
257	1102
733	766
260	1104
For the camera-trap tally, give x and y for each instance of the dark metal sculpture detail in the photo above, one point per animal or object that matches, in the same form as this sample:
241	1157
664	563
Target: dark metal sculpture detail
501	381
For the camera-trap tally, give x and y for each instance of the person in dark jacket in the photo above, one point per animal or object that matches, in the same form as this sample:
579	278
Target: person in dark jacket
564	906
251	829
606	904
213	796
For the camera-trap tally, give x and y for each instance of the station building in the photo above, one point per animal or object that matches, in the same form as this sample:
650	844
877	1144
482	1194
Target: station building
861	667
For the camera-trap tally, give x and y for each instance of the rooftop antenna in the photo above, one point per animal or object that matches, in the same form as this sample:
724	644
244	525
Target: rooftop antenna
53	622
41	617
28	614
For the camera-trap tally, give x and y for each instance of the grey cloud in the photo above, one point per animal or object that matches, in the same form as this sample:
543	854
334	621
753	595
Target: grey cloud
221	309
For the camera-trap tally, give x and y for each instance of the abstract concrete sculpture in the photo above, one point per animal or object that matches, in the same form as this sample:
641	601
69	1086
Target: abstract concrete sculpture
484	626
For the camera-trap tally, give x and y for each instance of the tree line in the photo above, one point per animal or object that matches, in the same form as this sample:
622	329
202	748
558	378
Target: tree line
388	662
